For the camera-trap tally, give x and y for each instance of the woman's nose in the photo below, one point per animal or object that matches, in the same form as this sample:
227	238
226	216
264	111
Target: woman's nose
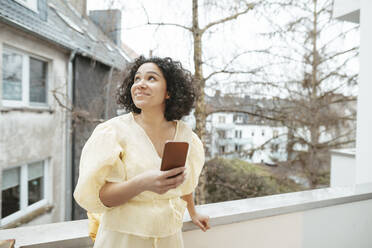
142	84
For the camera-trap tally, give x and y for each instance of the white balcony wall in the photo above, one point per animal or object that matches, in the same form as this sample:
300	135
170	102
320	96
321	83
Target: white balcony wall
338	217
343	167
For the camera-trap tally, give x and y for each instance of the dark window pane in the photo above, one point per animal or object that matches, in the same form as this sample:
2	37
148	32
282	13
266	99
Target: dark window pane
10	201
10	192
12	76
38	77
35	182
35	190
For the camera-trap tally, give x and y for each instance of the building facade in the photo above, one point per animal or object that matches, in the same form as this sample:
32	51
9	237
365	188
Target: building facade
236	135
56	66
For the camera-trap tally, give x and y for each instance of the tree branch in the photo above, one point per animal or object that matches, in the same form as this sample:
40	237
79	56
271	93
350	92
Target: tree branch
163	23
229	18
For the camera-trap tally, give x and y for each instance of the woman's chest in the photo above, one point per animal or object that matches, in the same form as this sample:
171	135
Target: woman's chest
143	149
140	156
157	141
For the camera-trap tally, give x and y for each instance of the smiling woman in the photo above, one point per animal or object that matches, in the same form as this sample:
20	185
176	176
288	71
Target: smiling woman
120	178
164	74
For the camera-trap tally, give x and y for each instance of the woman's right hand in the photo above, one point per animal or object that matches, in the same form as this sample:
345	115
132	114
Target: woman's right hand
157	181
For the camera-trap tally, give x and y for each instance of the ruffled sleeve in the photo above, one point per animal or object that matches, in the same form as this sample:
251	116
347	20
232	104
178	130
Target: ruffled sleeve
195	165
100	161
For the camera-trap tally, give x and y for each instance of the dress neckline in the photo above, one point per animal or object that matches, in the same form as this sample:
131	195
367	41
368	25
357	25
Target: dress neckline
148	138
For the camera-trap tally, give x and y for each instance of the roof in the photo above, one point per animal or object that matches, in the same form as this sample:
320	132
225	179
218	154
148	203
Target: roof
63	25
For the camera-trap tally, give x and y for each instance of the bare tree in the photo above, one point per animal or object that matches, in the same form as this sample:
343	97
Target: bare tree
197	32
305	75
313	89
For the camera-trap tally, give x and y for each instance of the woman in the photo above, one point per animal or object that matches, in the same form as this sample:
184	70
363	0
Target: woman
120	173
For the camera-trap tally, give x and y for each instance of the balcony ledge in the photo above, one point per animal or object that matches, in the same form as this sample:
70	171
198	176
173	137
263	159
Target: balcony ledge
75	233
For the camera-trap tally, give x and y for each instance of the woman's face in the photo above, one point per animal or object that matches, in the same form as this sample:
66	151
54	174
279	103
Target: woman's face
149	88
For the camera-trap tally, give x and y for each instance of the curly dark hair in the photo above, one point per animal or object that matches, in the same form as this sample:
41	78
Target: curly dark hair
179	87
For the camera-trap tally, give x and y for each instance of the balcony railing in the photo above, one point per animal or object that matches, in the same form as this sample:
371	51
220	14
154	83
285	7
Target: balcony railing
329	217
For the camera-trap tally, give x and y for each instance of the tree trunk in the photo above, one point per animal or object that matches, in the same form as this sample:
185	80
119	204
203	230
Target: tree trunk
200	115
314	128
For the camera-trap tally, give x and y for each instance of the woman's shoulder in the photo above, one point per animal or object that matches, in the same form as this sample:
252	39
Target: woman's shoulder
187	131
114	126
116	121
184	129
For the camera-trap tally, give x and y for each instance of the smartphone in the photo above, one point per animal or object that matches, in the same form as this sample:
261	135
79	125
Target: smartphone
174	155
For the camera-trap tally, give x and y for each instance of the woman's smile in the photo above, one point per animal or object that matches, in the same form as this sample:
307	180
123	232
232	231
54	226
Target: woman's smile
138	94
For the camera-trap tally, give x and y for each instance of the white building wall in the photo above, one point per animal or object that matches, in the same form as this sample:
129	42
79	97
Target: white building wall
364	116
28	135
359	11
253	136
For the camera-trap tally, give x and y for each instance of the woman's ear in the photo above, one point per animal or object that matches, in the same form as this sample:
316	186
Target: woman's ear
167	96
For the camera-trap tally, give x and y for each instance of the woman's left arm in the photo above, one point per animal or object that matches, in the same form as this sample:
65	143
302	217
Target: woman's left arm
202	221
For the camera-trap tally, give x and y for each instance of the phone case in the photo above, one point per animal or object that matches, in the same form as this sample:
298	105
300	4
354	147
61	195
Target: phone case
174	155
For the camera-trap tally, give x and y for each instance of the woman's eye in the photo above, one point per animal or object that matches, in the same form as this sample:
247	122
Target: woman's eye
136	79
151	78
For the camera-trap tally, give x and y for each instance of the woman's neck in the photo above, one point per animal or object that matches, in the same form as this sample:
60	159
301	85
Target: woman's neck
152	118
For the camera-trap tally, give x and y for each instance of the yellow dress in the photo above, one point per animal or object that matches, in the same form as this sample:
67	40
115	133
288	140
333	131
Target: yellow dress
118	150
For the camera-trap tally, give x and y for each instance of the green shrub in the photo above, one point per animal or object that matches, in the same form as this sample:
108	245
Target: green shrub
233	179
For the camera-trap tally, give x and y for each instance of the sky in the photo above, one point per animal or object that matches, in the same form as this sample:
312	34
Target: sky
142	38
223	42
173	41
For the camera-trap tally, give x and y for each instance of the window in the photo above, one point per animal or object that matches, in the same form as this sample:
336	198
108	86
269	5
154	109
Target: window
35	182
24	79
38	72
238	134
222	149
239	119
23	189
221	134
31	4
238	148
10	192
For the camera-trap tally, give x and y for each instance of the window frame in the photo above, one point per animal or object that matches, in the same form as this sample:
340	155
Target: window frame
24	208
25	101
